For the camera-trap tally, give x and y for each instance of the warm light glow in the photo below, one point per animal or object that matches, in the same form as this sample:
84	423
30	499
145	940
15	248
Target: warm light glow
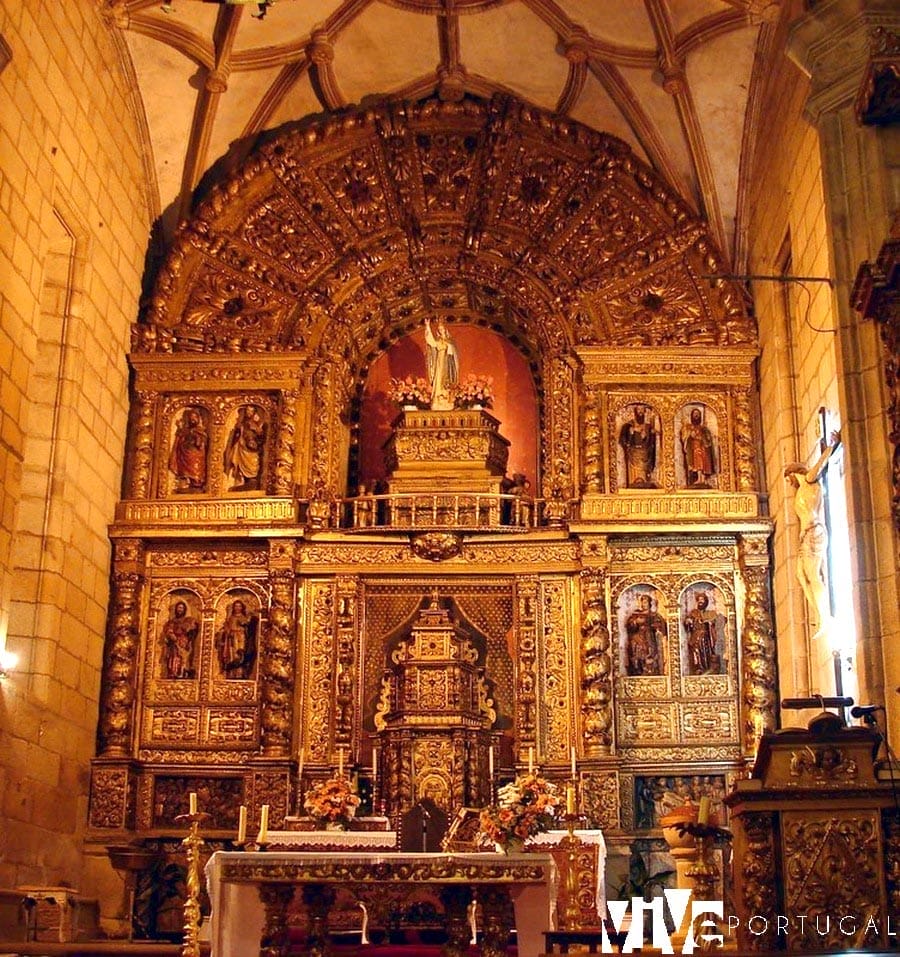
8	662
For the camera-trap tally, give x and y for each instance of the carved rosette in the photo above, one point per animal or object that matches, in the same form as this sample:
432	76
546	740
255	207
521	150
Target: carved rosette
758	646
596	665
277	666
120	665
284	447
142	444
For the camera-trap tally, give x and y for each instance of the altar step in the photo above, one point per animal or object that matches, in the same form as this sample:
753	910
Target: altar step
99	948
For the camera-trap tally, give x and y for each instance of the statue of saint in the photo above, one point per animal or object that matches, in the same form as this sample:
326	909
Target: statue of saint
645	636
443	364
809	504
698	446
236	641
245	449
702	625
179	634
187	459
638	440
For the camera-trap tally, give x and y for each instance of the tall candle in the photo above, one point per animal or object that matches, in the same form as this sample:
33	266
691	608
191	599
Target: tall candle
491	762
340	760
572	755
374	765
263	836
242	824
703	813
300	764
531	760
192	802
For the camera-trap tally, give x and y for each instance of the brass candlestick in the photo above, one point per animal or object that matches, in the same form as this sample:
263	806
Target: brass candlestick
571	912
192	917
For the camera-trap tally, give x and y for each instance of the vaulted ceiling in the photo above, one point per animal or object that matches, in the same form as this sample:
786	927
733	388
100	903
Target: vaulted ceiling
670	77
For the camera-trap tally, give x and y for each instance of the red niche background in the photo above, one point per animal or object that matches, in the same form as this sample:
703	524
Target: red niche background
481	352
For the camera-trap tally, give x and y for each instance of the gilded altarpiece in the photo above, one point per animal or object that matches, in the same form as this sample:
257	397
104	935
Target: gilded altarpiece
252	612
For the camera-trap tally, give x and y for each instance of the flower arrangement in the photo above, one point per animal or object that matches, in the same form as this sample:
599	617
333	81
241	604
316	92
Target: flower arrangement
475	390
525	807
331	801
410	391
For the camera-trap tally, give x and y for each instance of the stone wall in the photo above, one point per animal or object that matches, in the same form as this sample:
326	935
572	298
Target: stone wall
76	217
787	234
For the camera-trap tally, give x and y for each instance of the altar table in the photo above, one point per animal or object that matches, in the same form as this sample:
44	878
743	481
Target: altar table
251	891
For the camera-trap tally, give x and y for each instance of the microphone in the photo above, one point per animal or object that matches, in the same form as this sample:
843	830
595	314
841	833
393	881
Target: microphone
865	710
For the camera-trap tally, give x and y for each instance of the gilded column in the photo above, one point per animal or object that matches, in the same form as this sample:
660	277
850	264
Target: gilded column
558	427
118	689
284	449
142	448
526	676
744	446
592	444
596	665
345	676
757	645
327	427
277	661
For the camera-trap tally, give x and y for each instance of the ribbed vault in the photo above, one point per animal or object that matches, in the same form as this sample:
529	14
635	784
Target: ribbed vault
338	235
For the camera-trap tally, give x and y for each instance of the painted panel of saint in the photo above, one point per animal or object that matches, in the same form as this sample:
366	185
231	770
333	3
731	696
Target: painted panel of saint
704	625
697	456
236	637
178	638
639	436
645	632
188	450
245	451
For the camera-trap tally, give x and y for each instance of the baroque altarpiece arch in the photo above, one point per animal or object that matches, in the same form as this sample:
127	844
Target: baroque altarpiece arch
253	596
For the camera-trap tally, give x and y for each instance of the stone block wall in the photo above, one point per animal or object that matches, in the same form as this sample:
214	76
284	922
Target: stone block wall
74	220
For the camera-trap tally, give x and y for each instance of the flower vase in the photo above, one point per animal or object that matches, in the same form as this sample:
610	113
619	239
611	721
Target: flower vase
514	845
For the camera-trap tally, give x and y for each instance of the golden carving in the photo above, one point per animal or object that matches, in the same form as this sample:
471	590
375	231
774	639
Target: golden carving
556	618
639	506
318	659
600	797
822	766
243	511
639	724
592	445
709	722
110	788
436	546
211	558
832	865
141	462
277	666
120	670
596	665
526	671
757	652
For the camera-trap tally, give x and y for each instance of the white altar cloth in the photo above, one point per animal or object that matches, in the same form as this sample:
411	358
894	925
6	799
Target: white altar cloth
351	840
234	877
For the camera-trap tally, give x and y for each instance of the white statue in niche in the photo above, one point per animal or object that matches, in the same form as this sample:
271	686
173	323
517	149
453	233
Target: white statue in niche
443	364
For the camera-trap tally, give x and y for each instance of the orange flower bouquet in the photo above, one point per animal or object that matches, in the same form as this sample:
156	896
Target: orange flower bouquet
332	802
525	807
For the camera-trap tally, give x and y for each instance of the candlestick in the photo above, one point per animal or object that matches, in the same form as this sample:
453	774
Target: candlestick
263	836
531	760
192	802
242	825
572	755
570	799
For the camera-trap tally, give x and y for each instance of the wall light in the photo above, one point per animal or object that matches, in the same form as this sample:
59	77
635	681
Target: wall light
8	662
